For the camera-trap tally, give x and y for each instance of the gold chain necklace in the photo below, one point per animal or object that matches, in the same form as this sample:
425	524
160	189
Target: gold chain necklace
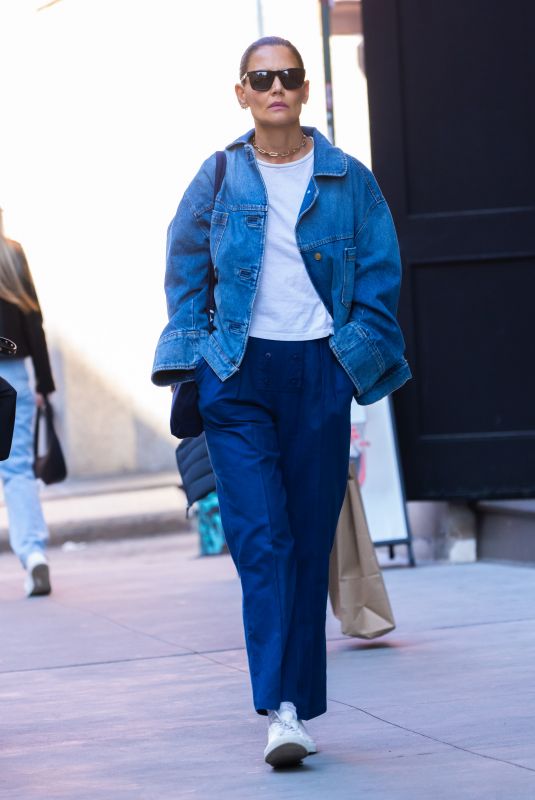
279	155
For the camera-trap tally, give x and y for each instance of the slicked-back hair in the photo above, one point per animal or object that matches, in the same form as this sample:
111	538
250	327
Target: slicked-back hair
268	41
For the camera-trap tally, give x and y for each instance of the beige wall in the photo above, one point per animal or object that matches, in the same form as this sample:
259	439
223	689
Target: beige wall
113	105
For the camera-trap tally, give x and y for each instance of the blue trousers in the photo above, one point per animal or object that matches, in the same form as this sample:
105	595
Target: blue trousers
278	436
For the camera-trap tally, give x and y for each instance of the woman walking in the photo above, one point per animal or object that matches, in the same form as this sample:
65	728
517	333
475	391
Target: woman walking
307	281
21	321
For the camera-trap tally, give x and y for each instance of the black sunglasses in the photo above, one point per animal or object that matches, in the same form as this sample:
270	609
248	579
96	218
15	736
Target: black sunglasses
261	80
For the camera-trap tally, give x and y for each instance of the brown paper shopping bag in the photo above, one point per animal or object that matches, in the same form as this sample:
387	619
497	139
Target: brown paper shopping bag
356	587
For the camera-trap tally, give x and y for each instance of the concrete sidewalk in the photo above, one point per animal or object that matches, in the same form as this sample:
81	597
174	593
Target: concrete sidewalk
109	508
130	681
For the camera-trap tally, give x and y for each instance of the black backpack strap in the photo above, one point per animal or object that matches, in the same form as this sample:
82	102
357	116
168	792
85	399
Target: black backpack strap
220	169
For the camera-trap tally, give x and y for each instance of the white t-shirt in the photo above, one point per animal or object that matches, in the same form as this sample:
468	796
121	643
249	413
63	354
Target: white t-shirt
286	306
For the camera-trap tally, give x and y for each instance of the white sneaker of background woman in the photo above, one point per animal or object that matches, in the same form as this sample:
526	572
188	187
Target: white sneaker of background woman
37	581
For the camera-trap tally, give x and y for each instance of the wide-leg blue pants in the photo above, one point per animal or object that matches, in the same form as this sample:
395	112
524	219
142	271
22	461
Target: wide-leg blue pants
278	436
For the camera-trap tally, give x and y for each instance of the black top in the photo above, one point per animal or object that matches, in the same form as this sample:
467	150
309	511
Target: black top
26	330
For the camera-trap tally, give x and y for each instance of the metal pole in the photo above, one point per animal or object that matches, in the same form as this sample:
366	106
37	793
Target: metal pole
326	33
260	18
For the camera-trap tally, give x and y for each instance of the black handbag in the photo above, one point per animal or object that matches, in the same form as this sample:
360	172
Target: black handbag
186	420
50	466
8	402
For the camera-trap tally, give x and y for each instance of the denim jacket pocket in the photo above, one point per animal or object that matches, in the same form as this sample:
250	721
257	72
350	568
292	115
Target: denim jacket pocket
218	224
348	286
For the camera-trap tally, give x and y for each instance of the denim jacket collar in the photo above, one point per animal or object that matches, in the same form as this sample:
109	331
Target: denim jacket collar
328	160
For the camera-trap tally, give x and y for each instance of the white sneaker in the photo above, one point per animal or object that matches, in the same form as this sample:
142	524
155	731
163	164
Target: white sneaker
37	580
288	742
311	744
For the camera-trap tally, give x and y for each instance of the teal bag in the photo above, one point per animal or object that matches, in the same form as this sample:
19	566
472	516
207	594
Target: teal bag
211	536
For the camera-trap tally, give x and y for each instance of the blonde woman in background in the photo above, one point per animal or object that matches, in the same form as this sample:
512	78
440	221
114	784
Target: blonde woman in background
22	322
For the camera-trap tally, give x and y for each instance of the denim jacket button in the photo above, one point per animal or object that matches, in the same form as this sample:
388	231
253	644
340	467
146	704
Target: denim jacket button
317	256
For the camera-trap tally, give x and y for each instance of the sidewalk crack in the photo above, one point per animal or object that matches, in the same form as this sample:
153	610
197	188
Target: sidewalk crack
205	654
126	627
202	653
433	738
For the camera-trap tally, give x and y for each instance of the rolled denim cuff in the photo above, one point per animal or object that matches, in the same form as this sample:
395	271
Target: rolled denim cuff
176	355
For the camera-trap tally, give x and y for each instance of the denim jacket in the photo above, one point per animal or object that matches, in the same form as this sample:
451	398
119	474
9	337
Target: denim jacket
348	243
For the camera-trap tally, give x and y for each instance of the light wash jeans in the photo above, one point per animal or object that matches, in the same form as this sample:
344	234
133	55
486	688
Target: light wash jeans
27	527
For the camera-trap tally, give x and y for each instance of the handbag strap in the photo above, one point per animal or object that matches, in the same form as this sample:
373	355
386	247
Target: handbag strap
220	169
48	412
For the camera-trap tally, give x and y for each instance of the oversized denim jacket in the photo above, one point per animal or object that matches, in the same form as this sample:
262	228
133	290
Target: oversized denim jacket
346	237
